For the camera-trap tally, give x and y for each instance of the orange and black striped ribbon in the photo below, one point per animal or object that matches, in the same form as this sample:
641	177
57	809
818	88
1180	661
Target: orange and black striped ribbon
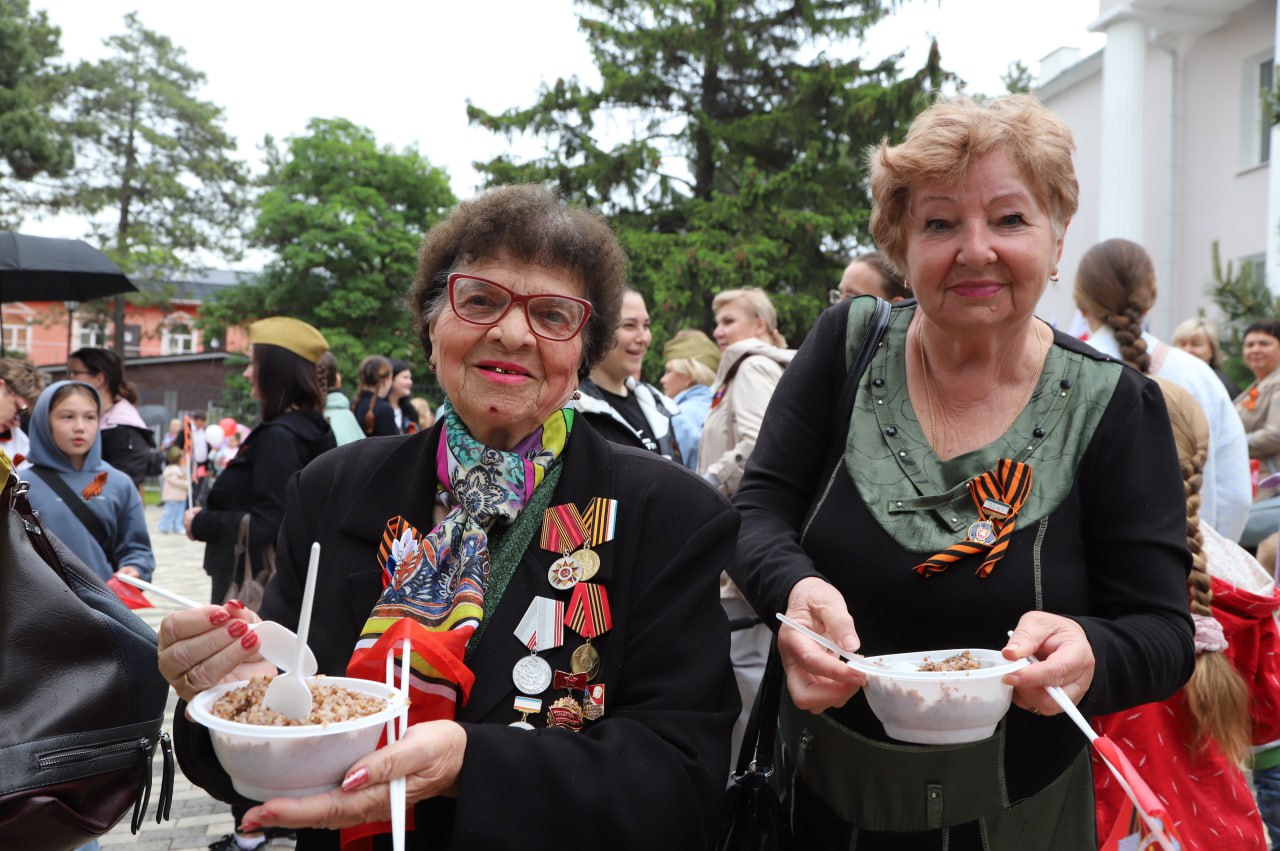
600	520
588	611
999	495
392	533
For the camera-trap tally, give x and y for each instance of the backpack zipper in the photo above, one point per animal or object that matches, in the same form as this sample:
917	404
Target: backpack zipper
88	754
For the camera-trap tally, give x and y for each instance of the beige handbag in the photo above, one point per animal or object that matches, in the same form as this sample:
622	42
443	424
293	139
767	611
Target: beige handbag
247	583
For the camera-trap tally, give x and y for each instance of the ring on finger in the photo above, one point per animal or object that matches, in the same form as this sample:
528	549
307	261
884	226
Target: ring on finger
186	681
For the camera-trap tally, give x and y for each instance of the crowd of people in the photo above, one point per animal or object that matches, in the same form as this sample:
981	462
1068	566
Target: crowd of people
986	481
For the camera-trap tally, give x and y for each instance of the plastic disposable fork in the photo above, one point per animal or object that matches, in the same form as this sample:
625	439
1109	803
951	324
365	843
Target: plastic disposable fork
855	661
277	643
399	784
157	590
1060	697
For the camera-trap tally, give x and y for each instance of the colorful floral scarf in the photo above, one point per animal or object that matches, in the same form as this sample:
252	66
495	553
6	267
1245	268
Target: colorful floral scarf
437	583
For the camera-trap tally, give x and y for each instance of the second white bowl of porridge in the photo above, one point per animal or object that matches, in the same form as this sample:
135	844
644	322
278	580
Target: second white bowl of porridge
266	759
958	697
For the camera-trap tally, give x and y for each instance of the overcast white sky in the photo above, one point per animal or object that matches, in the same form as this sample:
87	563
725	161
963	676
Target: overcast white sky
406	68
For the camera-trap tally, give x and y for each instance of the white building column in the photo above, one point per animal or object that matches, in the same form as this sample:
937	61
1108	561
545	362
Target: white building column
1123	109
1272	223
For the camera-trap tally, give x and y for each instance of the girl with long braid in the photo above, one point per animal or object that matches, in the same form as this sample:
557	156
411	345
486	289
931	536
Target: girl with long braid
1193	744
1115	288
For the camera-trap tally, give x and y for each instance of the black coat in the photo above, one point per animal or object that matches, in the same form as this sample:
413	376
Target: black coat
650	773
254	484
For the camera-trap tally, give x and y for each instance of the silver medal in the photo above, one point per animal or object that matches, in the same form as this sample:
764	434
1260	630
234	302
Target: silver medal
531	675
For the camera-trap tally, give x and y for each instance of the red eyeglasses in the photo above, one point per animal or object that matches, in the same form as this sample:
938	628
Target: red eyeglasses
483	302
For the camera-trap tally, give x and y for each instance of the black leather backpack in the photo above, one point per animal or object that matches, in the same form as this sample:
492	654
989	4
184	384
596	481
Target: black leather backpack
81	699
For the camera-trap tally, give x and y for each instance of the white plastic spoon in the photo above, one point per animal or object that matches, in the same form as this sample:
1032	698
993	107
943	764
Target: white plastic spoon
276	642
289	693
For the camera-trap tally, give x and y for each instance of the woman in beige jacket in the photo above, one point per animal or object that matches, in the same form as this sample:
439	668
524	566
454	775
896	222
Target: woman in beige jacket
1259	404
752	357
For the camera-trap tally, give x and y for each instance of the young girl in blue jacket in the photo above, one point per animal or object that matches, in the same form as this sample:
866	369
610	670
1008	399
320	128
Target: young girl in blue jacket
65	444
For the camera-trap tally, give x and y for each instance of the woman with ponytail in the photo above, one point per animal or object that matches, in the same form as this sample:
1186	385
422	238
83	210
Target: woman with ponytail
372	410
1115	288
1192	746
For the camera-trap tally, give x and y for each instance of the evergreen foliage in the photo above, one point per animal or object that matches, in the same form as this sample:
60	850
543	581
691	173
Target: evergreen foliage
1241	297
32	85
726	142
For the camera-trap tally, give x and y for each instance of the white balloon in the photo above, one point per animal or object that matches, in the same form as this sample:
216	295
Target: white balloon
214	436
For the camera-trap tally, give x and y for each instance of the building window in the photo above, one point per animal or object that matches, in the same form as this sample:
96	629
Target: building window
17	339
1255	133
91	334
177	338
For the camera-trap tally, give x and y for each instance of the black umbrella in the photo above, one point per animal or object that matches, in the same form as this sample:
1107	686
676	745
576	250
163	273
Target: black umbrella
41	268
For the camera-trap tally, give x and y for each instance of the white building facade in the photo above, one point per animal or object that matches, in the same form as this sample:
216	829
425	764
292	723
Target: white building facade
1173	148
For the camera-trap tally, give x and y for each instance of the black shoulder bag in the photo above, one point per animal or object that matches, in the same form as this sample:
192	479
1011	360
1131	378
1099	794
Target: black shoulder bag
79	508
752	816
80	693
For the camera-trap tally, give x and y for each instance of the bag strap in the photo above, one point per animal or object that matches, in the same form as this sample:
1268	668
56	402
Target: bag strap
756	753
78	507
875	329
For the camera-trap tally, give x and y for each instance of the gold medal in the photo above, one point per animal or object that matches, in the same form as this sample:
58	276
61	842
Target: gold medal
585	660
588	561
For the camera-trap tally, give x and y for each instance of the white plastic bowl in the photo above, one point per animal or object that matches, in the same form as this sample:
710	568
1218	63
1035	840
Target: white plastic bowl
267	762
938	707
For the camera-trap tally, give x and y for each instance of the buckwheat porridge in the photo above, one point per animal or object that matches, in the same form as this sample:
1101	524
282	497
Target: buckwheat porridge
329	705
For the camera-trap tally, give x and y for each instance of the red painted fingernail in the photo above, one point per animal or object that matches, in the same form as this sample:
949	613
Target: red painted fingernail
355	780
250	641
218	617
237	628
235	604
249	827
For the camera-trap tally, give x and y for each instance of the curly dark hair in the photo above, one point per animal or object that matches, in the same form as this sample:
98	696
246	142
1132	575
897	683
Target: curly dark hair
525	223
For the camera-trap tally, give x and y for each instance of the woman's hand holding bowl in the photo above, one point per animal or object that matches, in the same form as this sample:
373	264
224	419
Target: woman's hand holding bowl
1066	660
200	648
816	679
429	757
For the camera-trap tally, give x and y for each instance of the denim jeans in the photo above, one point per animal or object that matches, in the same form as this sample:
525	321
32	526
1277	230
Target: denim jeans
171	520
1266	784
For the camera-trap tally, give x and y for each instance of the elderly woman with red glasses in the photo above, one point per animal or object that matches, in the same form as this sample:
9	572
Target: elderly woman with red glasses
570	676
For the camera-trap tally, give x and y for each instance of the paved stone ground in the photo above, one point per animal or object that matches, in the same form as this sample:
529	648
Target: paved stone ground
195	818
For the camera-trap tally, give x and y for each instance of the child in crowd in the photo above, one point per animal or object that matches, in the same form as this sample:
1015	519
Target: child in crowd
1190	748
92	507
174	483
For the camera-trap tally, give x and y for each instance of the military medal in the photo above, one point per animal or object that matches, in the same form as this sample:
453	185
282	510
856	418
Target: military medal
572	534
541	628
564	573
981	532
526	706
588	615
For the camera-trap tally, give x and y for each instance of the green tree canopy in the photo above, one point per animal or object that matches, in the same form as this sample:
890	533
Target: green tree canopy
343	217
158	175
32	85
743	164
